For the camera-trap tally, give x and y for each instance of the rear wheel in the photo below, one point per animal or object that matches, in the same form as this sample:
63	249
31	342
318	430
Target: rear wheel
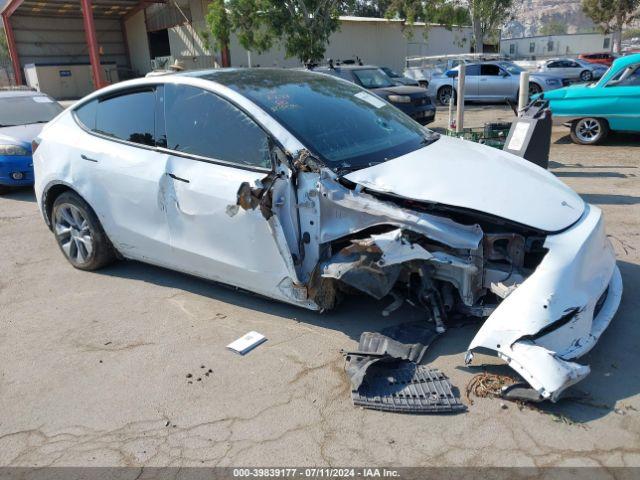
586	76
79	233
444	95
589	131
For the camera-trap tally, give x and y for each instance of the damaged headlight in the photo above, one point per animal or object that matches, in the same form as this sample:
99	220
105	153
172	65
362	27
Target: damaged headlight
13	150
399	98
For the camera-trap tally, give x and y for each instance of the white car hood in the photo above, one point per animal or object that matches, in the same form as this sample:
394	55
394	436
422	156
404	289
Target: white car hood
465	174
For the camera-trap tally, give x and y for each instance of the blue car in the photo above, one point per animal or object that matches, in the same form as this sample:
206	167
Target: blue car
23	114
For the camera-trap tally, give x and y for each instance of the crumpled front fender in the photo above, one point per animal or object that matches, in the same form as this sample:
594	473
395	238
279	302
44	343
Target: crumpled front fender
560	311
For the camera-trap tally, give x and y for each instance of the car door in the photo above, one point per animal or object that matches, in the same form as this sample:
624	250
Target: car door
573	69
213	148
471	81
494	83
121	175
557	68
623	99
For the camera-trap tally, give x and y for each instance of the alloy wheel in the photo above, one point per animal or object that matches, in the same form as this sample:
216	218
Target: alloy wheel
588	130
444	95
534	89
73	233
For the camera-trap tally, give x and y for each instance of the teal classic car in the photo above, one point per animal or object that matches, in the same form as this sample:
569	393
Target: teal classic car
592	110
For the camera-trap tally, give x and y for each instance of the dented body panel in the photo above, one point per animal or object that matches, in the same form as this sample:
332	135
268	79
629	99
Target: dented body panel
451	227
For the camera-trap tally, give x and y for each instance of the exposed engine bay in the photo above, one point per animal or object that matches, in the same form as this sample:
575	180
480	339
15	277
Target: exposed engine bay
340	237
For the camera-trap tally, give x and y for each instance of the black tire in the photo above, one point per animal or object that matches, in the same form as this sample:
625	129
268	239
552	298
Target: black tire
423	83
71	233
586	76
589	131
534	89
444	93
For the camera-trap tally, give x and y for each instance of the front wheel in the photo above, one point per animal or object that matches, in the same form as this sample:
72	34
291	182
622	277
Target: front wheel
444	95
589	131
79	233
586	76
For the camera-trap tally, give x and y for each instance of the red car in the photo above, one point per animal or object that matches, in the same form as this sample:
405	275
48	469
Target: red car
602	58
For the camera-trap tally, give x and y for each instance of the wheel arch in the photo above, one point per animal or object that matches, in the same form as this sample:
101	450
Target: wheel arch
52	191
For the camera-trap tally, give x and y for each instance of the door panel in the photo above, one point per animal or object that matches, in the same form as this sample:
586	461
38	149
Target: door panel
122	181
212	238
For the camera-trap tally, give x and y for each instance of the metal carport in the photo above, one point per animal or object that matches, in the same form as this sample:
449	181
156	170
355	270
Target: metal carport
69	31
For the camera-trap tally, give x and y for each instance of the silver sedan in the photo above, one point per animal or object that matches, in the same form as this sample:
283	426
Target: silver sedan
490	82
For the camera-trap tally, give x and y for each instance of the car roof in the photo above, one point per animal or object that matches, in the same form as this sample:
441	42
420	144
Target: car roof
20	93
626	60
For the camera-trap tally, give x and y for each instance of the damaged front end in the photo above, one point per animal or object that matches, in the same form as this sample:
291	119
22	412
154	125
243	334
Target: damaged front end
544	298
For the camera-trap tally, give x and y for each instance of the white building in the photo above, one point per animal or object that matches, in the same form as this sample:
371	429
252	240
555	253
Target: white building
556	45
374	40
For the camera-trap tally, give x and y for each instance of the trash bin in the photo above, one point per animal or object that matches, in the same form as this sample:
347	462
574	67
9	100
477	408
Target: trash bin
530	134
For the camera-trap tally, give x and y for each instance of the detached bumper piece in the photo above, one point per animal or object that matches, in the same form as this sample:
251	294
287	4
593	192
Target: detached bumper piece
404	387
385	374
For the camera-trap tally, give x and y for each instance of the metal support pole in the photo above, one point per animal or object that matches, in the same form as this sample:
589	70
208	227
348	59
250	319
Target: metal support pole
249	58
13	49
451	103
92	43
523	97
460	110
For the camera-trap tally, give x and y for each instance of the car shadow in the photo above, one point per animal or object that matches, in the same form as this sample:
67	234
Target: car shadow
592	174
614	374
614	139
356	314
610	199
22	194
555	164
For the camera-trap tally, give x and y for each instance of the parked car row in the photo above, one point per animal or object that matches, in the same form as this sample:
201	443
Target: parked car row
489	82
412	100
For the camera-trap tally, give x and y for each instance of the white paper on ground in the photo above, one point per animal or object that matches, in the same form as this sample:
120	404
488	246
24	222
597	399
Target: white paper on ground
247	342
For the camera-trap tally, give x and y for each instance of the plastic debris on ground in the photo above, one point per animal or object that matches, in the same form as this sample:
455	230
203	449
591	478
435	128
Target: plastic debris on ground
247	343
385	373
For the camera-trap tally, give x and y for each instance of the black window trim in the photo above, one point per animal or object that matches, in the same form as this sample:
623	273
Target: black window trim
153	86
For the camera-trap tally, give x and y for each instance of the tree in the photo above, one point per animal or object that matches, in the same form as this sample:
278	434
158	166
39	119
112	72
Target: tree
219	30
486	17
612	15
303	26
4	49
553	28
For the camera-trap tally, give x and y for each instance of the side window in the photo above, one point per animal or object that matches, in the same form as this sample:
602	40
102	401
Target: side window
553	65
86	114
471	71
629	77
573	64
488	69
201	123
129	117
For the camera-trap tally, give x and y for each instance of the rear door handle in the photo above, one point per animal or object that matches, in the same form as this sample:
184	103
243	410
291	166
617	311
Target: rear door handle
175	177
89	159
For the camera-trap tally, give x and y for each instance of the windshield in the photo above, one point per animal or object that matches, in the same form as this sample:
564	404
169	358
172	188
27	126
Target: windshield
26	110
373	78
340	123
390	73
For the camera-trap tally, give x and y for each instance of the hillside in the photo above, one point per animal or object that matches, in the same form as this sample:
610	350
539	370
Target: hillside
531	15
